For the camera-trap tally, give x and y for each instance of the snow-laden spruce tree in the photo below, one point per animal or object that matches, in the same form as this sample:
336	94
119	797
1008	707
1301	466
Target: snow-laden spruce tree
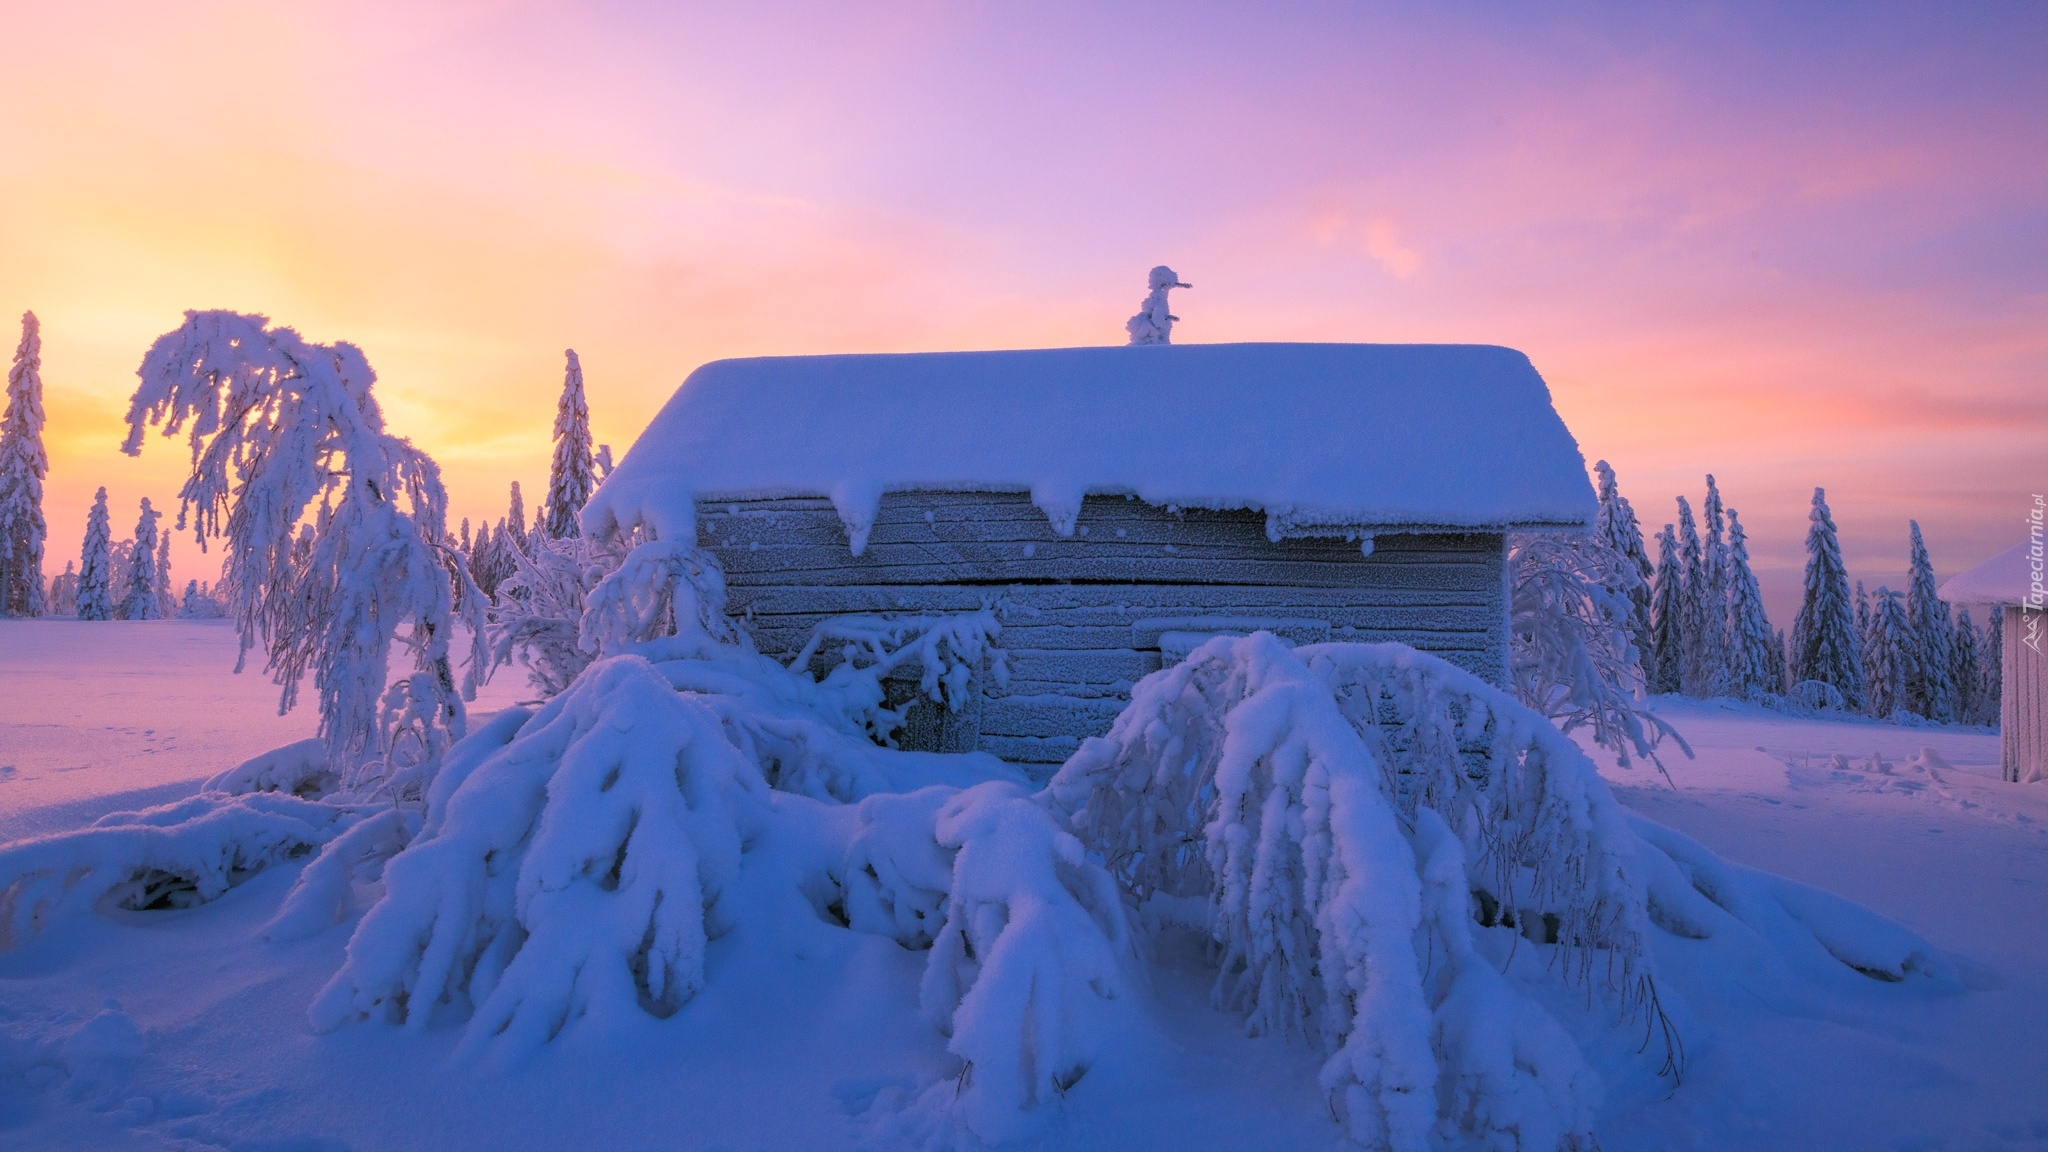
64	591
138	584
1754	648
1664	660
23	464
1617	528
1888	662
571	477
1933	689
166	595
1966	669
513	529
96	564
1692	589
333	527
1716	643
1824	641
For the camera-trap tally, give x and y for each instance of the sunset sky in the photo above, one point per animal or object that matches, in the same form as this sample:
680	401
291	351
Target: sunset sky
1792	245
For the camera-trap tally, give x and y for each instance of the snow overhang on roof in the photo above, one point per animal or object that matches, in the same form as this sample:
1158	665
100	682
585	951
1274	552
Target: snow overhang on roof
1326	439
2012	578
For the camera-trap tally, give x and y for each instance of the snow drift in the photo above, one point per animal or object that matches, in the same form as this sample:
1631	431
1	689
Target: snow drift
1385	857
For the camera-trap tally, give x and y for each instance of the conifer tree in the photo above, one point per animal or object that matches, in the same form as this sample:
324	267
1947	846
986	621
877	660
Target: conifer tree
23	464
64	592
1754	646
464	542
1933	689
1824	640
1666	654
138	592
1617	528
1692	588
1888	664
1719	663
571	478
166	596
1862	612
1965	671
96	565
514	521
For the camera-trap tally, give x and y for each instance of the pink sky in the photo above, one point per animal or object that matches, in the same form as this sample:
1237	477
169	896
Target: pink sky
1792	246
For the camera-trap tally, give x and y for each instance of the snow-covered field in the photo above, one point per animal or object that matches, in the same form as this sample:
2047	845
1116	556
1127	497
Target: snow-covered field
189	1030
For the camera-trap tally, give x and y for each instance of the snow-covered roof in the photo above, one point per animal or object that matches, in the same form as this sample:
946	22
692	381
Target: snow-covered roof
2010	578
1320	437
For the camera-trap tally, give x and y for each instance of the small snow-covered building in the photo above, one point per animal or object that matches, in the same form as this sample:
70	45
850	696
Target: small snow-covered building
2013	580
1113	506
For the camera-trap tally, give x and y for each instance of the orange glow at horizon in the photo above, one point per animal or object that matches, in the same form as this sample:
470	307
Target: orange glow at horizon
1746	242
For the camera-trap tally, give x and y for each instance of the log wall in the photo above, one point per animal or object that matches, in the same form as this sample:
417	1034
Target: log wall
1083	617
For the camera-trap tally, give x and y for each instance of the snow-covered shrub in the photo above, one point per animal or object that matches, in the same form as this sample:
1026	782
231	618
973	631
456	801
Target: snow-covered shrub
571	873
172	856
200	603
947	650
661	588
1247	776
1032	963
1571	647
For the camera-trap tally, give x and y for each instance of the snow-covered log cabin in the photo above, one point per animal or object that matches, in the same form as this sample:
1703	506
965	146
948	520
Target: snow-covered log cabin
2012	580
1112	506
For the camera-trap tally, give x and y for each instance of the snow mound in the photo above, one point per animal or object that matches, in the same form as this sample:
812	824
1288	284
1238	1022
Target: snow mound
1321	437
173	856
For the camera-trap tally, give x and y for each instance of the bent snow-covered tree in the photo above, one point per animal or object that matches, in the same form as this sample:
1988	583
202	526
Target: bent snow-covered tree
334	527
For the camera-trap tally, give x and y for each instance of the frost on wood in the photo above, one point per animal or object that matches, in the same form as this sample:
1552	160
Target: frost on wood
1296	793
571	874
335	528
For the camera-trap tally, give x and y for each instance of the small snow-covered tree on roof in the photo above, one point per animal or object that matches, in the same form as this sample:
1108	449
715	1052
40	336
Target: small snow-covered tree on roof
1754	647
1933	688
1616	527
334	527
1664	661
571	477
1154	323
1824	635
96	565
138	588
23	464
